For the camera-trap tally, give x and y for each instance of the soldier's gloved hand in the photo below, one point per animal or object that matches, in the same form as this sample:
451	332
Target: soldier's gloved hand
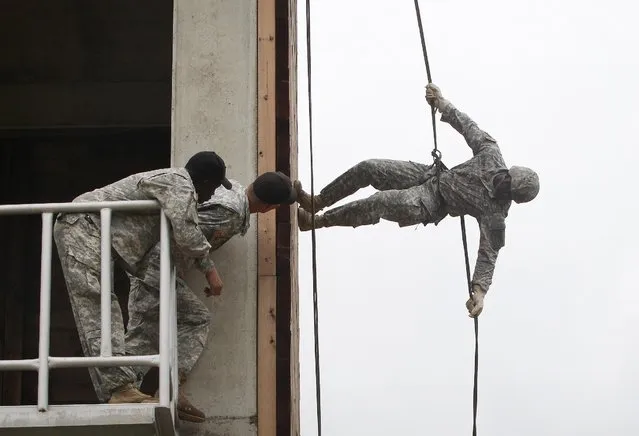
215	283
434	96
475	303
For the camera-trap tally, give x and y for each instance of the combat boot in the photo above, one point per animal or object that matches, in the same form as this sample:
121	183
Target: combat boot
304	198
128	394
305	220
186	410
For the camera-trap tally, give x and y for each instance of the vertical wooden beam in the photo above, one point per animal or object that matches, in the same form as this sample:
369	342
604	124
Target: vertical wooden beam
294	308
283	217
266	225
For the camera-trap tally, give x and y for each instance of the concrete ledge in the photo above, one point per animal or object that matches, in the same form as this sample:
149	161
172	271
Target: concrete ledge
94	419
221	426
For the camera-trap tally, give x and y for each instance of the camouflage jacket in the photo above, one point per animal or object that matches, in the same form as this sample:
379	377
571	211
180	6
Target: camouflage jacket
467	189
223	216
134	234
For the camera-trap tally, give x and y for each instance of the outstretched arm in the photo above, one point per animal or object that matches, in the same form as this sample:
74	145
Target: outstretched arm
487	254
492	234
475	137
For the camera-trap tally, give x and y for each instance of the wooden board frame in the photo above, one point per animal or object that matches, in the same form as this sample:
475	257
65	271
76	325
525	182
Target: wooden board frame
277	319
266	224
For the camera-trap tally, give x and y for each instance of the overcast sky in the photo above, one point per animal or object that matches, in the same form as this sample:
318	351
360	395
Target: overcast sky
556	83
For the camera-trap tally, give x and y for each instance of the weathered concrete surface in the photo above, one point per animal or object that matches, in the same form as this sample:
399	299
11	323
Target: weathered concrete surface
221	426
214	108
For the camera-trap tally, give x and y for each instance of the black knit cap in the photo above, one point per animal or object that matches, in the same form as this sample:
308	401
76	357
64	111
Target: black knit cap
207	165
274	188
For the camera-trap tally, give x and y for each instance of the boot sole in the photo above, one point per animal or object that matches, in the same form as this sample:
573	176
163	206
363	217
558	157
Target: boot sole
133	402
190	418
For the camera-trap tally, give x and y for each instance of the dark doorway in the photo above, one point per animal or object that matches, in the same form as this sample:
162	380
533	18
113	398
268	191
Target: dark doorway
86	89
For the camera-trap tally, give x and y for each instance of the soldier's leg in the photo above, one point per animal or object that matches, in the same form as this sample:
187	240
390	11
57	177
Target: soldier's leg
83	285
381	174
142	333
401	206
194	320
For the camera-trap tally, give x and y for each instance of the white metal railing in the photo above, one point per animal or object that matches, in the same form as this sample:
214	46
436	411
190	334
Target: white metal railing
166	360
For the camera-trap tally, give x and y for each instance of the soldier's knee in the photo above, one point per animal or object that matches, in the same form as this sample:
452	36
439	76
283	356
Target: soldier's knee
207	318
201	317
382	198
367	165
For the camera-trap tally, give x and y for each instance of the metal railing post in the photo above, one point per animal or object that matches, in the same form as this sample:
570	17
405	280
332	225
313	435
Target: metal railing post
45	311
166	359
165	312
105	282
175	378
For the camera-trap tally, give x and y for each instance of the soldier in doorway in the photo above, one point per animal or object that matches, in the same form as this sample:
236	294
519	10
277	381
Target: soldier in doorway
224	215
412	193
77	237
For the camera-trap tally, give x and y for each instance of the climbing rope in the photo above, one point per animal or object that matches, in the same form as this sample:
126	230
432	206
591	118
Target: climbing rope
440	166
318	396
436	154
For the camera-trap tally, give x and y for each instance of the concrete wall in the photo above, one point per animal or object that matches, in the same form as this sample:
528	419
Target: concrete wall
214	108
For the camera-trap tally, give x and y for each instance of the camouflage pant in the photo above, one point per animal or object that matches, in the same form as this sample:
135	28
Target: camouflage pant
78	244
408	194
142	337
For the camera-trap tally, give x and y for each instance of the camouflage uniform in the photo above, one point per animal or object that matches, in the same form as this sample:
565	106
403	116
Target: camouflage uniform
77	237
412	193
226	214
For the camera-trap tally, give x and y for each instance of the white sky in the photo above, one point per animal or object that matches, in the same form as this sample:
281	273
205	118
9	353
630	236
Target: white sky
556	83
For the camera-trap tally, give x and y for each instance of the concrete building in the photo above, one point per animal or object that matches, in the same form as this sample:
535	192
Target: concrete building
92	91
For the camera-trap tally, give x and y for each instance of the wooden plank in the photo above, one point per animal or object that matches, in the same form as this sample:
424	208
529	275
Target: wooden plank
266	262
266	230
266	85
293	143
266	363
